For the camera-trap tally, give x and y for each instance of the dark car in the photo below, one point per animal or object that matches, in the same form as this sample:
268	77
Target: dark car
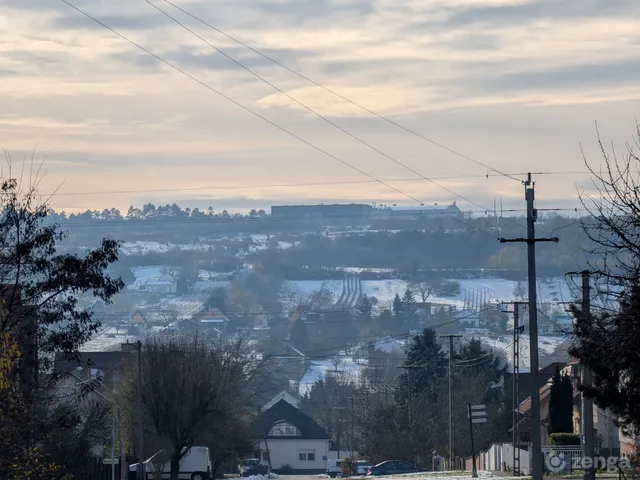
252	466
393	467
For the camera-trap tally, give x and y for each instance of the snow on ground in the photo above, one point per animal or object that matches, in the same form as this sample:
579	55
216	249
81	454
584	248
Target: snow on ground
271	476
495	289
144	248
504	344
319	368
458	475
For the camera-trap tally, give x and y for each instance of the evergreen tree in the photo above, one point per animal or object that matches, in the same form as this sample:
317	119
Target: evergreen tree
365	307
561	404
409	312
426	366
480	371
608	344
397	305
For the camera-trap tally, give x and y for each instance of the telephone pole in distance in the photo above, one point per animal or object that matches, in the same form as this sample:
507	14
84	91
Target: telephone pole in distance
531	240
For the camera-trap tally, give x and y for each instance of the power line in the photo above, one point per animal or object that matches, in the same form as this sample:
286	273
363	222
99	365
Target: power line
386	119
309	109
274	185
258	115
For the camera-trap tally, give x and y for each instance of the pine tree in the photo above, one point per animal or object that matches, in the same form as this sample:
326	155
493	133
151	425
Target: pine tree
397	305
409	312
561	404
365	307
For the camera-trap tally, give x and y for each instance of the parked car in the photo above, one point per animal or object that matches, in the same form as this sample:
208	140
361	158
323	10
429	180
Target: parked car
363	467
393	467
252	466
195	465
334	467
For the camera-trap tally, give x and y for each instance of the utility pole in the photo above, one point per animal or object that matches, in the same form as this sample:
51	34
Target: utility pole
123	467
587	403
141	465
586	423
531	240
113	448
517	331
452	457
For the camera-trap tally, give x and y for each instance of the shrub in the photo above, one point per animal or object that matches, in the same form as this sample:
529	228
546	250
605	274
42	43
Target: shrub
564	439
286	470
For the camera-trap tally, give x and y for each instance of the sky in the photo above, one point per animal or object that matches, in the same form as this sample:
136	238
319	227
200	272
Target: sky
516	85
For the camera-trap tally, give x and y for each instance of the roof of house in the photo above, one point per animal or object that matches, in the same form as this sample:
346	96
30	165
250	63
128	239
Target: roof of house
102	361
284	395
288	351
545	392
284	411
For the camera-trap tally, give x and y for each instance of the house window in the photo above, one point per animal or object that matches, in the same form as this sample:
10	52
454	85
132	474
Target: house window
284	429
265	456
307	456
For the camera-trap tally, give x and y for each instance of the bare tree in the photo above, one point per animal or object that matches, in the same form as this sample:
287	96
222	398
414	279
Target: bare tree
614	225
421	288
192	390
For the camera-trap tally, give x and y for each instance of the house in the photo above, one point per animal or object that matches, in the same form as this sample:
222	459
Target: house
468	318
606	433
286	436
163	284
211	318
290	362
104	367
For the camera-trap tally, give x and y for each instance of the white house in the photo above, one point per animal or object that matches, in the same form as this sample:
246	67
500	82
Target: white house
163	284
286	436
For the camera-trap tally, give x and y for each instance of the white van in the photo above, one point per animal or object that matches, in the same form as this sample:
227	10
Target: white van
195	465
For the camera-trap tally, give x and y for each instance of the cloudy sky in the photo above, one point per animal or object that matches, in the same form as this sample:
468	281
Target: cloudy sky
514	84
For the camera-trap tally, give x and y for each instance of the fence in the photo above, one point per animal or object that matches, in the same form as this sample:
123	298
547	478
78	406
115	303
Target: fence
100	469
499	457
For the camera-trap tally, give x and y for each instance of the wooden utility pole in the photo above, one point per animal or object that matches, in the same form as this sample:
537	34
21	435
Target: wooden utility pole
531	240
452	457
141	466
587	403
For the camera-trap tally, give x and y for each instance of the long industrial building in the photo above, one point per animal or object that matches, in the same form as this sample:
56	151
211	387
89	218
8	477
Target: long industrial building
364	211
340	210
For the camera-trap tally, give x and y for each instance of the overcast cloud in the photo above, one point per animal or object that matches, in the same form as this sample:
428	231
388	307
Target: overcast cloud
515	84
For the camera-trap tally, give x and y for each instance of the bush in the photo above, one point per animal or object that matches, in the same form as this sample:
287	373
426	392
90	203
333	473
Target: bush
349	467
564	439
286	470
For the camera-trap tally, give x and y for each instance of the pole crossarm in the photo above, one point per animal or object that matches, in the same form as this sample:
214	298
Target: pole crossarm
526	240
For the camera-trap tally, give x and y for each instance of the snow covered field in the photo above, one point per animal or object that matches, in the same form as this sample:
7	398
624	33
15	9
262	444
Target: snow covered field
144	248
496	289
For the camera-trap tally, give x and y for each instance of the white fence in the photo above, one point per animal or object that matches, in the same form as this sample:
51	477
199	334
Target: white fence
499	457
525	459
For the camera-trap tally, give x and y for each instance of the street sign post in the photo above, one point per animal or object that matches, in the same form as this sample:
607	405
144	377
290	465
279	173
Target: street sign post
477	414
